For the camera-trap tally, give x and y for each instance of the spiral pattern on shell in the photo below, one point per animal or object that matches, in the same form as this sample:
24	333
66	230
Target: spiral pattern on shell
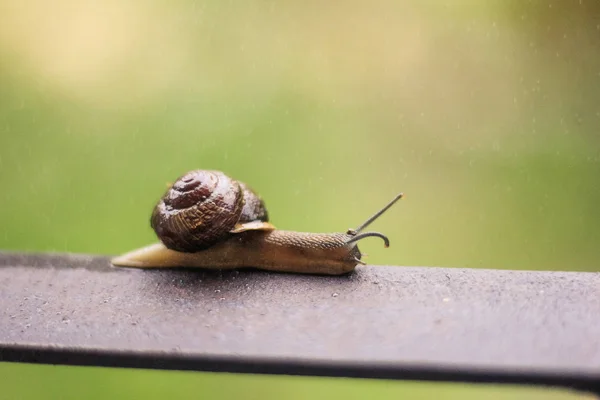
201	208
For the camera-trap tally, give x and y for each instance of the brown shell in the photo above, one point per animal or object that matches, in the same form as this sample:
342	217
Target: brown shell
202	208
254	206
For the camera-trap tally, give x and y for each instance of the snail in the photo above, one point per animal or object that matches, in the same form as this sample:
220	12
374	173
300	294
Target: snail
208	220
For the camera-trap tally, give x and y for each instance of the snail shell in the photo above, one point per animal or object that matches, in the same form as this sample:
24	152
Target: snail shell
204	207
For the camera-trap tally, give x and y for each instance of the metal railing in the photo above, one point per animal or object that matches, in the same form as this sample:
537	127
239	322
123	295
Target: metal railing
406	323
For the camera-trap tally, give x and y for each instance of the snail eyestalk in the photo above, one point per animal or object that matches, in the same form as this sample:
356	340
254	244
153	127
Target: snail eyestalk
386	241
354	232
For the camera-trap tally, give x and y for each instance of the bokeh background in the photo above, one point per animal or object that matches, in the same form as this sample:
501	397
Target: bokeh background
485	114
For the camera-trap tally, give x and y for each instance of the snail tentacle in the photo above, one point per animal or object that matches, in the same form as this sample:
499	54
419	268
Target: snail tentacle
386	241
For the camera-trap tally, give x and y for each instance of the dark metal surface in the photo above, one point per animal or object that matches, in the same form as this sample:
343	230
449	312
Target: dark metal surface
379	322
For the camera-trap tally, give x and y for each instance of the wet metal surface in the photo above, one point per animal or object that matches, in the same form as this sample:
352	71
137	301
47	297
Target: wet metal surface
379	322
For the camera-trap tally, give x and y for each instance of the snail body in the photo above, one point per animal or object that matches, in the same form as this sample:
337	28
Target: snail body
209	220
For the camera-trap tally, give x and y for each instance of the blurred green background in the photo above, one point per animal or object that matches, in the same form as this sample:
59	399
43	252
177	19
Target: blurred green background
485	114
